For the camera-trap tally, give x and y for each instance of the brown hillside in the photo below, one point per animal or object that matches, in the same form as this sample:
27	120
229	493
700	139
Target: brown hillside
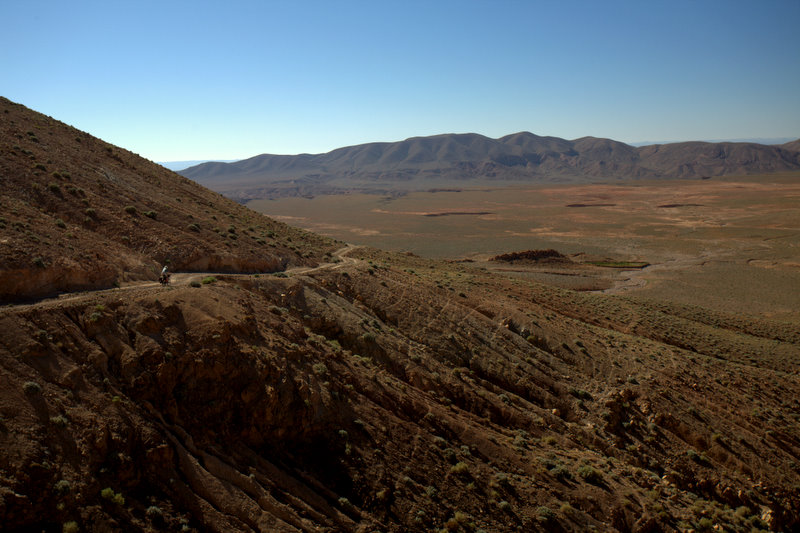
371	391
79	213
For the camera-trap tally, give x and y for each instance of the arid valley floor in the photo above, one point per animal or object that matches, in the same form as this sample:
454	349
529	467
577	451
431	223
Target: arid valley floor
732	243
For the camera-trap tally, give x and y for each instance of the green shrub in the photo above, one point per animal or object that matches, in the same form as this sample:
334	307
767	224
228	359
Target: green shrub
459	468
193	227
589	474
150	214
31	387
54	188
154	513
115	497
559	472
90	212
131	210
545	514
580	393
62	486
208	280
59	420
60	223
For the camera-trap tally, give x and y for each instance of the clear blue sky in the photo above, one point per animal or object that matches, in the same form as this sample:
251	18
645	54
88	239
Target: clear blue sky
175	80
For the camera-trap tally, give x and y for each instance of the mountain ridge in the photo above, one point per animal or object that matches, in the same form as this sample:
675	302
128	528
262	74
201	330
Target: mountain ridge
473	158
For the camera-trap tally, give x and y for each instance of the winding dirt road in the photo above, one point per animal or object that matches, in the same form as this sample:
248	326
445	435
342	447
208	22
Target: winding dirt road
177	279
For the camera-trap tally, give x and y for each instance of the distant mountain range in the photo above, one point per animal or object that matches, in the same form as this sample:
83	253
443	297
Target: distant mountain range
471	159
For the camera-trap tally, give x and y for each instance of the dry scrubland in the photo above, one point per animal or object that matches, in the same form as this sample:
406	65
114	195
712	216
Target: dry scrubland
729	243
320	386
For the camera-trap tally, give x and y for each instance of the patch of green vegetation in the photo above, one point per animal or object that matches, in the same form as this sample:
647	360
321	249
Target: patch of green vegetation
208	280
31	387
590	474
115	497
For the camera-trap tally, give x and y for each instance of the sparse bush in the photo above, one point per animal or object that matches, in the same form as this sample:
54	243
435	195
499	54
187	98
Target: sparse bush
320	369
90	212
589	474
150	214
54	188
70	527
38	261
115	497
31	387
59	420
705	524
208	280
545	514
131	210
459	468
62	486
560	472
193	227
580	393
195	284
154	513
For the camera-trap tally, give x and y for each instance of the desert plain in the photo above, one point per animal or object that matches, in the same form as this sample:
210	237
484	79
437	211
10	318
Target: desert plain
732	243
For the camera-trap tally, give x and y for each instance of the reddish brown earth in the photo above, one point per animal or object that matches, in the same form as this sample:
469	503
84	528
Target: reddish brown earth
354	390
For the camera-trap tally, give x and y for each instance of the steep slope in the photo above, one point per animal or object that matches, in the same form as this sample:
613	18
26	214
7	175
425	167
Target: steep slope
372	391
80	213
425	162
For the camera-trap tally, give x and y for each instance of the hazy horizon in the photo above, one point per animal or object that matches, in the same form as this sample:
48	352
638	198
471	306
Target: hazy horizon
184	80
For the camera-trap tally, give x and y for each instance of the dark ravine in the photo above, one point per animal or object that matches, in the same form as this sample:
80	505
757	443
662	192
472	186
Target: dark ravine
451	160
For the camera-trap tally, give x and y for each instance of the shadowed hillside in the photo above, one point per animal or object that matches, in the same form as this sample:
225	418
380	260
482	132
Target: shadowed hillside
471	159
359	390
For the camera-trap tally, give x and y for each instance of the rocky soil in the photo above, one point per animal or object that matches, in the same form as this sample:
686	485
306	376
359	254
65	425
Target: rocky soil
349	389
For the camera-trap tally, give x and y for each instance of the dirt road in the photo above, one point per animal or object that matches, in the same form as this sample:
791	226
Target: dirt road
177	279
